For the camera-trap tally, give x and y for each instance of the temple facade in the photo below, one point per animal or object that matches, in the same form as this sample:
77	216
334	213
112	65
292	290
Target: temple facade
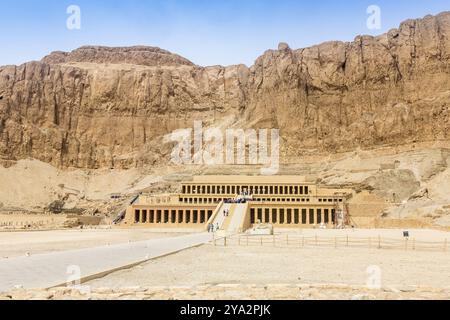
281	201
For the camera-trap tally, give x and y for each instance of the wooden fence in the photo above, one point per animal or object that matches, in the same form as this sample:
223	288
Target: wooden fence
298	241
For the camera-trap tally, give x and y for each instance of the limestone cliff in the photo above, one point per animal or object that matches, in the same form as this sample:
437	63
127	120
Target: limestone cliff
110	107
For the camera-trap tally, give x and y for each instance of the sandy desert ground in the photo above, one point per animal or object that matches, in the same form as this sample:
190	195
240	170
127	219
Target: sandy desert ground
240	272
19	243
209	265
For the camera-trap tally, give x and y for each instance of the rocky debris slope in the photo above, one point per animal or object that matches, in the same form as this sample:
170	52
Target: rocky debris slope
415	174
102	107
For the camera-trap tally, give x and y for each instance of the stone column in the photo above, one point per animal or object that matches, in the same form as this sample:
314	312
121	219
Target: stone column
184	216
139	216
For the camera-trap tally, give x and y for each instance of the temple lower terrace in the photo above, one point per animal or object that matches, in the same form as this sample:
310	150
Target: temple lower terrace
280	201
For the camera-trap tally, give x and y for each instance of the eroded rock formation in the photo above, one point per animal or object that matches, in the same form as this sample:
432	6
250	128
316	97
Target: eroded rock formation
110	107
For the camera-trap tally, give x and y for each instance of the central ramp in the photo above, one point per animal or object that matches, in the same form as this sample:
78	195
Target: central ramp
233	223
220	218
237	218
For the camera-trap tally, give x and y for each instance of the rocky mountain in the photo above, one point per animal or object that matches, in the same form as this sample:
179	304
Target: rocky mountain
100	107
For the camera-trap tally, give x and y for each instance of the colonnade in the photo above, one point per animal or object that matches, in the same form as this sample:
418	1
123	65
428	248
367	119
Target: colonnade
228	189
172	216
201	200
214	200
292	216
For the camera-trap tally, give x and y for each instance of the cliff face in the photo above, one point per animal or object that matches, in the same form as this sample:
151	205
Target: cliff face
110	107
390	89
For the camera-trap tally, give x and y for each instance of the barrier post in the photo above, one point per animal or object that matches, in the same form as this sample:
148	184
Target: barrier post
316	240
379	242
225	241
347	240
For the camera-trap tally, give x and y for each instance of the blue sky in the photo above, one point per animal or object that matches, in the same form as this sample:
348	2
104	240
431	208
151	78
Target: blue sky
208	32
